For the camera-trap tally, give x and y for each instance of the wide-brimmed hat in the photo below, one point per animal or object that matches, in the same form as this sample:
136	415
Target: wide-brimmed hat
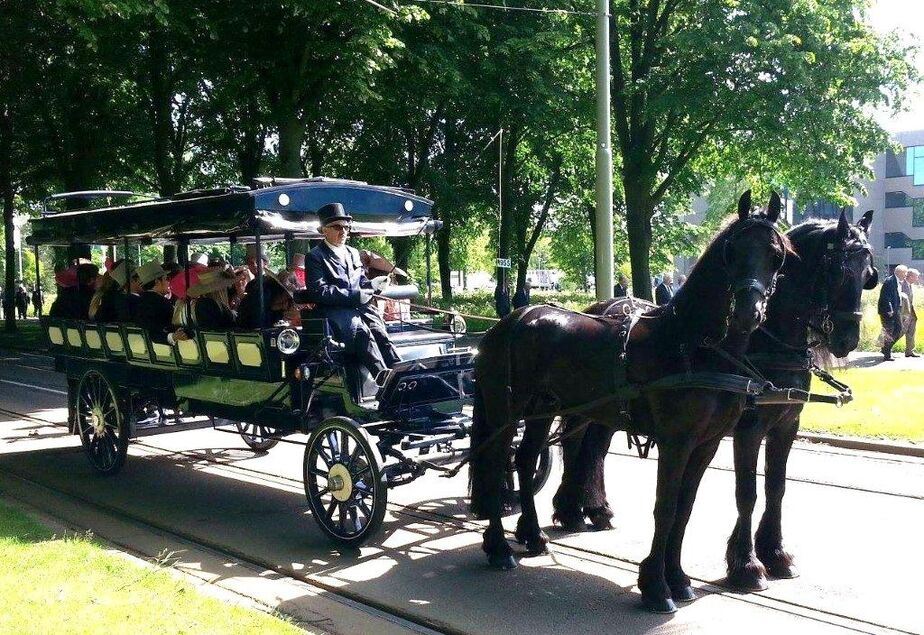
149	272
252	252
211	280
377	265
199	258
119	273
332	212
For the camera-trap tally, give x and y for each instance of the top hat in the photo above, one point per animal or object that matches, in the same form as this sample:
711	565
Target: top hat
211	280
150	271
332	212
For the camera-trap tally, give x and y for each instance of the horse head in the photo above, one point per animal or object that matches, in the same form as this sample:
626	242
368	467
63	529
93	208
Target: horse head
753	252
846	269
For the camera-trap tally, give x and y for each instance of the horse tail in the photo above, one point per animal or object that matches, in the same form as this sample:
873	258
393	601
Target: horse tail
480	435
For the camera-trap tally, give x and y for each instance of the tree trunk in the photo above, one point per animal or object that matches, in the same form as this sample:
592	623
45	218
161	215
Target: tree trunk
291	135
442	257
639	210
6	182
501	289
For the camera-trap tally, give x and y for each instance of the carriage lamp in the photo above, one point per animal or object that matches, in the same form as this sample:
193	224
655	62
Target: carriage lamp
457	324
288	341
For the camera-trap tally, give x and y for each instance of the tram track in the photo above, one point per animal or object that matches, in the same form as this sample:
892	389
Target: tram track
293	485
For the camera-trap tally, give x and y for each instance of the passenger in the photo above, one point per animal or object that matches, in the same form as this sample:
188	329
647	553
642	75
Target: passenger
73	303
242	278
252	261
278	306
298	269
104	305
208	307
154	312
288	280
337	283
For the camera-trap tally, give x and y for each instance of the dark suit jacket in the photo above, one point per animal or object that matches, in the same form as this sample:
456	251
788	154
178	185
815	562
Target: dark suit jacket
155	315
663	293
889	299
337	288
620	291
72	303
210	316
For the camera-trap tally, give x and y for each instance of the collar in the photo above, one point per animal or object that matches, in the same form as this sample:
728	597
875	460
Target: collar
340	251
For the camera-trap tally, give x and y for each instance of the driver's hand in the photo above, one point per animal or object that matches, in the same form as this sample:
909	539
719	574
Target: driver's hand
379	282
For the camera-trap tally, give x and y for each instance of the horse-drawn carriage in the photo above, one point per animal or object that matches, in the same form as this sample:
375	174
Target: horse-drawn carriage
363	436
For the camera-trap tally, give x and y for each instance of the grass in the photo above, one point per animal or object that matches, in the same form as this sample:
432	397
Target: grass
54	584
887	404
27	337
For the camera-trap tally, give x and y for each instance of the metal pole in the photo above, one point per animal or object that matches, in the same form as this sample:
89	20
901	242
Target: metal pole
604	215
429	275
38	280
258	248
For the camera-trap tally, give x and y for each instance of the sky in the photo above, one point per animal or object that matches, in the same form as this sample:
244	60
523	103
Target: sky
906	17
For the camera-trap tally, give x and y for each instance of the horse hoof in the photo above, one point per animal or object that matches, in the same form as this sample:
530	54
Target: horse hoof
569	523
659	605
503	562
747	576
683	594
783	571
600	518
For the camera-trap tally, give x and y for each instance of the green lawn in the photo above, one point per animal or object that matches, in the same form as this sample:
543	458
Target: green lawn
27	337
887	404
51	584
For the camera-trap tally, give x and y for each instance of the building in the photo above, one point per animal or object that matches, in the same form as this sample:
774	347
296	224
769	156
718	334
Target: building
896	194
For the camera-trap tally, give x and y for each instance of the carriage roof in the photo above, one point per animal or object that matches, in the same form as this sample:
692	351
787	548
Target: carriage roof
277	208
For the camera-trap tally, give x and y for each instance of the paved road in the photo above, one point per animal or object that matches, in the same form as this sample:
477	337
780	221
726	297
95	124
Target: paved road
853	519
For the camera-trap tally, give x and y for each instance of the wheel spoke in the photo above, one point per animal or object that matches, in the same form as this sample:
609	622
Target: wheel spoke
357	475
344	446
366	509
353	457
316	472
330	509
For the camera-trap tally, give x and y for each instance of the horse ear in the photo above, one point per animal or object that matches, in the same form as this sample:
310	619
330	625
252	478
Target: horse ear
744	205
865	222
843	227
776	205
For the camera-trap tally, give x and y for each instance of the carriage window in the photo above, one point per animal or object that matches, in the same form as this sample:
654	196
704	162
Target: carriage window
914	163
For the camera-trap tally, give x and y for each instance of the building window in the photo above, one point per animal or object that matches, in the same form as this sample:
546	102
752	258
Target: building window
896	199
914	163
894	165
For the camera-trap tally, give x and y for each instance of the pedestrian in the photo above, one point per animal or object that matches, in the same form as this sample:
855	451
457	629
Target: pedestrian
36	301
621	288
22	301
665	291
890	311
910	321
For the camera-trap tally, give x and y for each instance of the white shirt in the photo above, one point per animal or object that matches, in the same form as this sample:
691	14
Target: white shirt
339	251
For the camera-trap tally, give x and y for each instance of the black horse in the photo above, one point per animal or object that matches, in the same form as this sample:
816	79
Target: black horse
818	297
542	360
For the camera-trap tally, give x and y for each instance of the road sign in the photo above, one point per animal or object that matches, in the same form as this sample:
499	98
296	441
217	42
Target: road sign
503	263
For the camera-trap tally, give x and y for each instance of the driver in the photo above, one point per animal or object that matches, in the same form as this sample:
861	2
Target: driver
337	283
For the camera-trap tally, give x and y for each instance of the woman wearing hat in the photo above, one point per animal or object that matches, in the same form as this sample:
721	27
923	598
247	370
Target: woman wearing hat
278	306
207	306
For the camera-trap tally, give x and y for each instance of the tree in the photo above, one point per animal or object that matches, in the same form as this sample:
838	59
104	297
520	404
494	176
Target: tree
703	87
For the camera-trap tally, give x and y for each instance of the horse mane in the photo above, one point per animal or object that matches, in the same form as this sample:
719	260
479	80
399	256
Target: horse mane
811	239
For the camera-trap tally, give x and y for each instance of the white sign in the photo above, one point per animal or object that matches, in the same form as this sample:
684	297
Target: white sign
503	263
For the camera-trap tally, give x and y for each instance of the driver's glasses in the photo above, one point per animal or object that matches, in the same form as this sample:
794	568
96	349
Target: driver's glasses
339	227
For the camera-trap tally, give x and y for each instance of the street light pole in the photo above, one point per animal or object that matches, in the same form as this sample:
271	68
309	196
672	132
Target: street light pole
604	159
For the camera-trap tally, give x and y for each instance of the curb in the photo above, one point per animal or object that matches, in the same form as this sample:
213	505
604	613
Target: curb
859	443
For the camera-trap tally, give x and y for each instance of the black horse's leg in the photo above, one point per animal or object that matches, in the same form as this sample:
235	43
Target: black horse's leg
596	508
568	500
768	541
528	531
745	571
672	463
677	580
492	464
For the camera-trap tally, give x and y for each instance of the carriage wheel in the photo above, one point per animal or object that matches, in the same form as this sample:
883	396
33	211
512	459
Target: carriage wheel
344	483
258	438
540	478
101	424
